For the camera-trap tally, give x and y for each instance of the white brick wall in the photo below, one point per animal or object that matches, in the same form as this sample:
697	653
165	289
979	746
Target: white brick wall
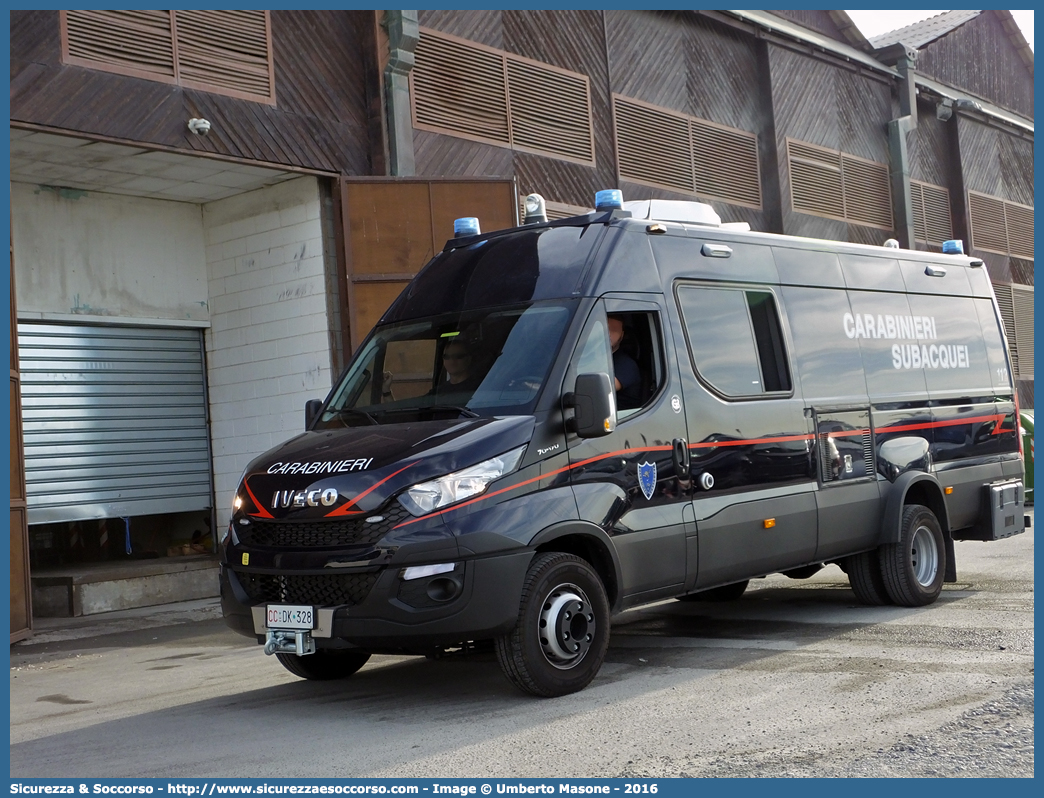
268	347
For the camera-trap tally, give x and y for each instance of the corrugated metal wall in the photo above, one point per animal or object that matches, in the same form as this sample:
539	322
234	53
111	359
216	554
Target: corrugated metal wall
115	421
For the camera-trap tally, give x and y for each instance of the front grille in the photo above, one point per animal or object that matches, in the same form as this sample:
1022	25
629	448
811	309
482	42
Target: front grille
322	591
332	533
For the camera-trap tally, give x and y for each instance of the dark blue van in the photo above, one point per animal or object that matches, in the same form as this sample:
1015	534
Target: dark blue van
563	420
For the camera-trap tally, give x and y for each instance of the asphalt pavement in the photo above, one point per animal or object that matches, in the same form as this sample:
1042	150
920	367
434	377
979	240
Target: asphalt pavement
793	679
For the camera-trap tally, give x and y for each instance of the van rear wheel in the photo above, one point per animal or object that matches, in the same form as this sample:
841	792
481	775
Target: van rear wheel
324	665
864	575
562	633
914	568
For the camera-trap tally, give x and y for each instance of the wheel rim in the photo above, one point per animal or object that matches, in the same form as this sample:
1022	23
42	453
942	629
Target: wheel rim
567	626
925	557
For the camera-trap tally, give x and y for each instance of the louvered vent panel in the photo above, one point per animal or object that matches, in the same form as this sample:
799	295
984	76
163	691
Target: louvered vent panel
815	180
224	50
868	451
653	146
816	189
826	464
1007	312
459	89
554	210
917	200
559	210
561	127
1022	307
123	40
1020	230
987	223
868	198
937	221
810	152
726	164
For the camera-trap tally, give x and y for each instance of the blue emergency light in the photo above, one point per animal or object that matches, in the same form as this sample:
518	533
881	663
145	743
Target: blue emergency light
953	247
608	199
466	226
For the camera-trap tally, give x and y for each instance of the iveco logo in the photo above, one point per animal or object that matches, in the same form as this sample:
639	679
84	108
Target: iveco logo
303	498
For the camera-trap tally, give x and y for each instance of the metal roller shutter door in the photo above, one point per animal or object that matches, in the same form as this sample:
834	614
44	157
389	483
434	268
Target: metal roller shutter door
115	421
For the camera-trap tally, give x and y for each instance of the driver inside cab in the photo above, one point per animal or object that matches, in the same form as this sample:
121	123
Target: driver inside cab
457	365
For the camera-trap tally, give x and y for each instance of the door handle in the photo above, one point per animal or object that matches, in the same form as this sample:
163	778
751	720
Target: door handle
680	456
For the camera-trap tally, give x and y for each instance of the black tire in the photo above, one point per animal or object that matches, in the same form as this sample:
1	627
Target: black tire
561	594
723	593
914	568
323	666
864	575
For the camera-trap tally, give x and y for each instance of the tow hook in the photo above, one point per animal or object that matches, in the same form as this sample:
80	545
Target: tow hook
288	642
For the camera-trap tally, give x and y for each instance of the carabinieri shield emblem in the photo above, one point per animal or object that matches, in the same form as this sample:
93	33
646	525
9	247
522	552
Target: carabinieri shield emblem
647	478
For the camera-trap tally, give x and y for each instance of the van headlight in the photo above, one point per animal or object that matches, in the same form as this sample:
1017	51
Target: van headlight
426	497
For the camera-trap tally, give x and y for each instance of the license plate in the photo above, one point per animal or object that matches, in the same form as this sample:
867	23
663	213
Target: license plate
289	616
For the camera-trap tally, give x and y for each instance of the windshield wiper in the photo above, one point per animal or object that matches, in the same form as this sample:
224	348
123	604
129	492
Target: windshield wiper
346	410
462	410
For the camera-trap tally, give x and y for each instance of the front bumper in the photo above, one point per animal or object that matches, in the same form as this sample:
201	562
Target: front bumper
375	610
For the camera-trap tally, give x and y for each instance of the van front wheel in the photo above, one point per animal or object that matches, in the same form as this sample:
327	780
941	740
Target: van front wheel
562	633
914	568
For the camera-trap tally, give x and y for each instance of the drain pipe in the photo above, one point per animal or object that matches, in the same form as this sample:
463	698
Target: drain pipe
403	34
904	58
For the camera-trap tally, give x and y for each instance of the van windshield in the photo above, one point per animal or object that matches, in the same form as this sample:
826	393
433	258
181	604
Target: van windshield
486	362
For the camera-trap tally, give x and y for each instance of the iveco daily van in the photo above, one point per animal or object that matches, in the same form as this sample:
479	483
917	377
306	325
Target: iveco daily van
479	472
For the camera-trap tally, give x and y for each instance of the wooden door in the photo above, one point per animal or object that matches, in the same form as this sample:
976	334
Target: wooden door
21	592
393	226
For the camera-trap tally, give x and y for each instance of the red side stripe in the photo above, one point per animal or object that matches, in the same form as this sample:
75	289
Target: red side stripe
343	509
706	445
534	479
261	511
749	441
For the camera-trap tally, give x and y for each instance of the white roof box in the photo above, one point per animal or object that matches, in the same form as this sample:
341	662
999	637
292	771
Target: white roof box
680	211
674	211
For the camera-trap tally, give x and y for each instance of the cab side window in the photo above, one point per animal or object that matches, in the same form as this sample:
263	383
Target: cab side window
637	358
735	340
594	351
626	345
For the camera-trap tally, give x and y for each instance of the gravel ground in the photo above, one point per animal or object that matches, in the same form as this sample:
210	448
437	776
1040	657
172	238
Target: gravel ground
994	740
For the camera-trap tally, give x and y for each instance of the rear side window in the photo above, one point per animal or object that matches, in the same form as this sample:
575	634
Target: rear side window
735	340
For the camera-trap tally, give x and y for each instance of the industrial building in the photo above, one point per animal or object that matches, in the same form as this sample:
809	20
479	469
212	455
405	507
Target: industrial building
210	210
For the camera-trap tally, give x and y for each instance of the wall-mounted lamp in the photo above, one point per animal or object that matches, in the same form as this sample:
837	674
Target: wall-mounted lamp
199	126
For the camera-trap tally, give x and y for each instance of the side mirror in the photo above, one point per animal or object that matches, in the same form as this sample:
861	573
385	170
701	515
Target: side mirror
594	405
312	408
